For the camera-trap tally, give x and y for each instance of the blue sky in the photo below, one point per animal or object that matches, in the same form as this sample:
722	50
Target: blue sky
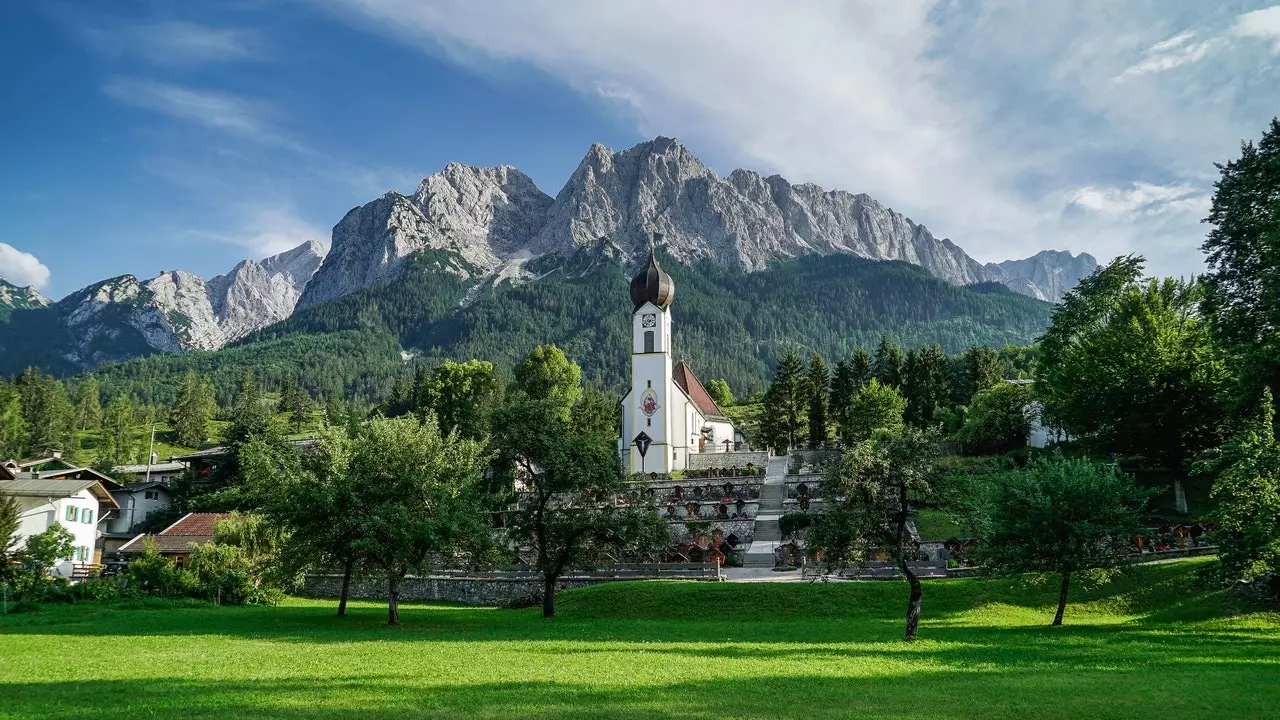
145	136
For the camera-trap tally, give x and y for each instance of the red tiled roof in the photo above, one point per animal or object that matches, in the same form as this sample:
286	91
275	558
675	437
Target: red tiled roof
197	524
177	544
688	382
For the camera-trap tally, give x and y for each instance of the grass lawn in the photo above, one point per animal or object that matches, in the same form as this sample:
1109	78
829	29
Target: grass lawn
1143	647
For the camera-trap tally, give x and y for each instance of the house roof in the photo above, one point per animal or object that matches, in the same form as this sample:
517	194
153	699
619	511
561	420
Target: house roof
37	462
190	530
688	382
164	467
144	485
221	450
53	487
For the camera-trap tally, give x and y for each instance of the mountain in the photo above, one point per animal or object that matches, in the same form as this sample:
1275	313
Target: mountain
123	317
728	323
1047	275
496	219
13	297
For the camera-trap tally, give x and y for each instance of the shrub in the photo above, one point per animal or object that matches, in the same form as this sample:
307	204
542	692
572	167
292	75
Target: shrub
224	573
156	575
791	523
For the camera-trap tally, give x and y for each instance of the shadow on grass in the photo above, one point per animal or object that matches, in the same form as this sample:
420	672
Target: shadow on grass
1198	690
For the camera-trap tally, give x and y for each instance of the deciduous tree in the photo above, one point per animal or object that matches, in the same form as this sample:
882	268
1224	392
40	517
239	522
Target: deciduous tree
1061	516
874	407
997	420
463	395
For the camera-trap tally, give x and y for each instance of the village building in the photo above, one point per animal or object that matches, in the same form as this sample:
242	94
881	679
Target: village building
667	417
179	539
75	498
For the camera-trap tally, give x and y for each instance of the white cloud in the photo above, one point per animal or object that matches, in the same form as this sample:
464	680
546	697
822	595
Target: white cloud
22	268
232	114
1263	24
1142	199
173	42
1168	54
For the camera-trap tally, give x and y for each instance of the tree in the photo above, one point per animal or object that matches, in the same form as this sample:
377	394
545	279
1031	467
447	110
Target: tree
47	413
1247	488
981	369
40	555
596	414
819	388
997	420
563	481
1242	288
890	363
463	395
10	520
193	411
927	386
869	493
295	402
546	374
874	407
313	495
720	393
12	428
89	405
786	404
120	438
249	417
1129	367
1062	516
418	499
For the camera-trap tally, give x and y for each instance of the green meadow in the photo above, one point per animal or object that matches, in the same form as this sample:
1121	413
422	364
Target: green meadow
1153	644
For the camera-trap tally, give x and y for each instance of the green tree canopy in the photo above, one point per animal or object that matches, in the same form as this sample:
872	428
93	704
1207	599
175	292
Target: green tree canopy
720	393
819	388
997	420
462	395
1061	516
784	416
890	364
193	411
546	374
874	407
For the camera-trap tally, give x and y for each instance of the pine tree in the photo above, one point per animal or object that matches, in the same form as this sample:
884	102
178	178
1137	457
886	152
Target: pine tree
12	429
861	368
120	440
89	406
819	386
890	364
295	402
46	411
928	385
249	416
193	411
982	370
786	404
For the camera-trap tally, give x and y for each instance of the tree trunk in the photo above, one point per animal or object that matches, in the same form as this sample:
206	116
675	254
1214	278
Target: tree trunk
1062	597
393	599
346	586
549	597
913	603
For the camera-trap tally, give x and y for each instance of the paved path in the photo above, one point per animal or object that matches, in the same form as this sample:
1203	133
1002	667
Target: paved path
766	536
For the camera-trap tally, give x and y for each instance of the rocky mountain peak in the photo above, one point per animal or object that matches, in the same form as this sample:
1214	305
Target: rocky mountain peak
20	297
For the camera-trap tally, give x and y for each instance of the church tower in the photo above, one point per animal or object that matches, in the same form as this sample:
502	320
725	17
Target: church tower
647	412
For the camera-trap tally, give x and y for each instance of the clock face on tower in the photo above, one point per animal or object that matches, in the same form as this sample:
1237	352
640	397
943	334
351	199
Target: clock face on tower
649	320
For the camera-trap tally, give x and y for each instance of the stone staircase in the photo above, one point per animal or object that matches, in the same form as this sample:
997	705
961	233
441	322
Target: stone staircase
766	536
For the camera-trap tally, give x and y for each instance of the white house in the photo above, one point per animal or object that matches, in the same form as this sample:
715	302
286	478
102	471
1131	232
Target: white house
667	415
136	500
165	472
77	504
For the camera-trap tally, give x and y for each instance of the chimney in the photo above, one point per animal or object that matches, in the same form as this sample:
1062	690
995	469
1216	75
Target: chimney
57	454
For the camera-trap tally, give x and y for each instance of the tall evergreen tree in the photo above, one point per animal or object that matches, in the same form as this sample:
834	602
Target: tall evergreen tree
890	363
89	405
249	416
47	413
786	404
981	369
928	385
120	437
12	429
193	411
819	387
861	368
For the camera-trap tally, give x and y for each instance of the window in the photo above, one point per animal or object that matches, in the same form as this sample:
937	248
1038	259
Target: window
72	513
86	516
648	383
648	422
151	495
648	341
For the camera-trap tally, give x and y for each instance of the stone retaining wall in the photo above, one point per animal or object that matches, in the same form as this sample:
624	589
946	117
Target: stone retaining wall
469	591
703	461
815	458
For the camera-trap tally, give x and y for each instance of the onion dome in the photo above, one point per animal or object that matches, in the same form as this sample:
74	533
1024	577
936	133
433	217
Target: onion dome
653	285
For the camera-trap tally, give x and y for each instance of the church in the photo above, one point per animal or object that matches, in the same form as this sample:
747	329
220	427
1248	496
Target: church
667	416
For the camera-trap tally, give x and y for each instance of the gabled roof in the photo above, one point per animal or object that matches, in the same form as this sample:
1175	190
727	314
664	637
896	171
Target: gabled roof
688	382
144	485
164	467
51	460
190	530
51	488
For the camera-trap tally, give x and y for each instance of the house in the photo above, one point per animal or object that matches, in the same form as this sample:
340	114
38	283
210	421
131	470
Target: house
177	540
136	501
79	504
165	472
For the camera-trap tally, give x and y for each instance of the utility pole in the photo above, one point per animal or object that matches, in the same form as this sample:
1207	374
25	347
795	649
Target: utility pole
151	450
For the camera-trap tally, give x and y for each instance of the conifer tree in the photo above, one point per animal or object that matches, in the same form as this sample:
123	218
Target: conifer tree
12	430
46	411
982	370
890	363
786	404
89	405
819	387
193	411
120	439
249	416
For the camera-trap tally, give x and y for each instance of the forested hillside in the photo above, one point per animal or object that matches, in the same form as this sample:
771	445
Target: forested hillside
728	324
